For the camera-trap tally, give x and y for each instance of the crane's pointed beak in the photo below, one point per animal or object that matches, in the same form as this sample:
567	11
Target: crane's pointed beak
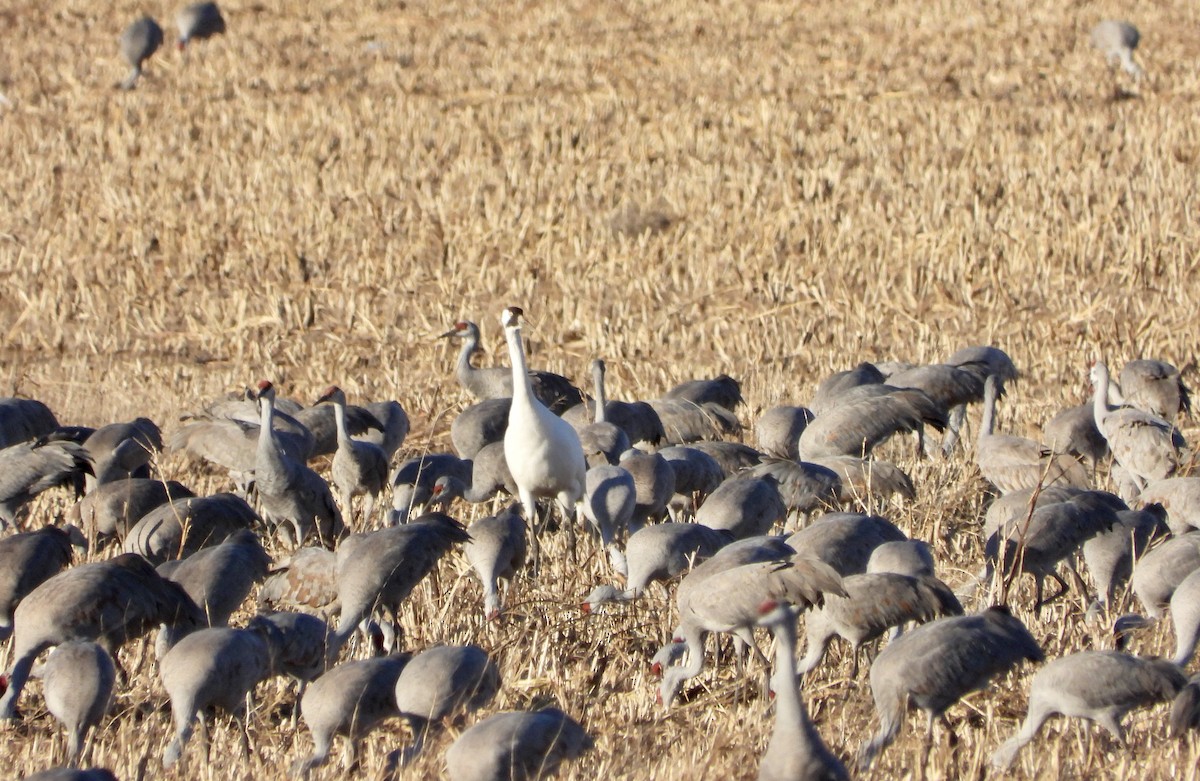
448	334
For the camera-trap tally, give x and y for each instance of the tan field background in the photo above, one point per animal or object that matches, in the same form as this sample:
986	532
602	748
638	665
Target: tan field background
315	196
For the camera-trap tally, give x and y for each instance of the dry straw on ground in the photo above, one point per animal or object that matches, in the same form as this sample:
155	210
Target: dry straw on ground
773	190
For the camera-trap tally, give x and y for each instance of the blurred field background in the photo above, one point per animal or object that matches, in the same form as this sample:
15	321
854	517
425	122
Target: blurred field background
771	190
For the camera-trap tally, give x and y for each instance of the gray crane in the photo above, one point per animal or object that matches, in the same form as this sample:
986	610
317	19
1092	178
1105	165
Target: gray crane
873	604
1160	571
935	664
1180	497
496	550
303	650
1110	554
951	387
479	425
24	420
1116	40
1154	387
120	451
745	506
903	557
601	440
184	526
350	700
804	487
654	484
77	683
290	493
831	390
686	421
863	481
516	746
795	751
108	512
1074	431
608	503
197	22
1148	447
359	468
139	41
1100	686
216	667
865	417
1185	710
29	468
779	428
552	390
440	682
414	479
723	390
390	415
27	560
845	541
108	602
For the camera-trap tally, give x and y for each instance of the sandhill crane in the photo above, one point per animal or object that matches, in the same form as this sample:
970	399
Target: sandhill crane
113	508
394	424
479	425
778	431
865	417
1180	497
608	502
77	684
732	457
218	579
745	506
1154	387
119	451
1074	431
197	22
832	389
23	420
1116	40
289	492
413	481
516	746
496	550
728	601
660	552
1110	554
654	484
845	541
108	601
552	390
724	391
306	580
139	41
873	604
1185	616
29	468
697	474
950	387
686	421
377	570
184	526
216	667
303	649
795	750
637	419
935	664
489	477
543	451
27	560
804	487
1147	446
1185	710
1014	506
1100	686
600	439
986	361
321	422
1011	463
862	481
903	557
72	774
1162	569
349	700
359	468
1050	535
439	682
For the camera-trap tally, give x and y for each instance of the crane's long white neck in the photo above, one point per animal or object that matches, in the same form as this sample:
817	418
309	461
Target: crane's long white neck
789	709
266	431
1100	382
516	352
339	417
598	381
991	391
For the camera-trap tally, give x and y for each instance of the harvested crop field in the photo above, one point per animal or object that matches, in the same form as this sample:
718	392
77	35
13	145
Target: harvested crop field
775	191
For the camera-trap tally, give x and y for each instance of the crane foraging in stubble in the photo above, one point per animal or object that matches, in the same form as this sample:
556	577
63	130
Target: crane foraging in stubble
542	450
359	468
796	751
78	683
937	663
199	21
516	746
496	550
27	560
289	491
1146	446
1100	686
139	41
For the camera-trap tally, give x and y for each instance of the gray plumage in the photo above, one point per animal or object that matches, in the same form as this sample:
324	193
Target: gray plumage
24	420
414	479
724	391
1145	445
218	579
845	541
873	604
804	487
745	506
479	425
1180	497
608	503
215	667
1160	571
1185	617
199	21
795	751
29	468
867	416
291	494
496	550
935	664
350	699
120	451
306	580
732	457
113	508
685	421
903	557
951	387
831	390
553	390
108	602
1185	709
184	526
986	361
1116	40
358	468
394	420
601	440
27	560
1110	554
377	570
1015	506
516	746
1100	686
1154	386
862	481
321	422
778	431
440	682
77	683
654	485
697	474
1074	431
637	419
232	442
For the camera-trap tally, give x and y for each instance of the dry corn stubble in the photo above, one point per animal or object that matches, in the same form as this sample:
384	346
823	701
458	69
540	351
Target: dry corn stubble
769	190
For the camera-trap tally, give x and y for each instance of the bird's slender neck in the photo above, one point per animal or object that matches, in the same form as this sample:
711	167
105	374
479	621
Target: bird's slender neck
991	391
339	417
516	353
601	399
789	709
266	431
470	345
1100	393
